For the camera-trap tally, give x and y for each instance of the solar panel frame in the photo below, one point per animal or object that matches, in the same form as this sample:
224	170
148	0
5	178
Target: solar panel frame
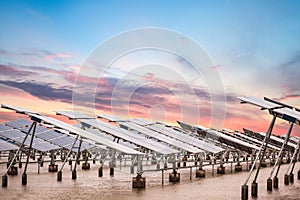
84	134
7	146
218	135
123	134
186	138
255	140
162	137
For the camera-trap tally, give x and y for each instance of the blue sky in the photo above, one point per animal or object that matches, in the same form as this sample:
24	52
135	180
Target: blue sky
254	44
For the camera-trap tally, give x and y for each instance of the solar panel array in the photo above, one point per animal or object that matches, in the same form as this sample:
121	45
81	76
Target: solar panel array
173	142
186	138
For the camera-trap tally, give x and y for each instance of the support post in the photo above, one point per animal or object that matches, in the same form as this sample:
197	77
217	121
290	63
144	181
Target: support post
24	176
74	173
280	156
59	173
262	154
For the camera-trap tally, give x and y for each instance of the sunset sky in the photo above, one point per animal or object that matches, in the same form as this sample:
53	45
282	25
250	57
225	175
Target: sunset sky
253	47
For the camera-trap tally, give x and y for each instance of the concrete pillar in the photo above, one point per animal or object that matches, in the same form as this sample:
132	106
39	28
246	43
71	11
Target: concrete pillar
291	178
174	177
286	179
275	182
12	171
221	169
238	167
139	182
74	174
100	172
53	168
111	171
4	180
263	164
269	184
244	192
85	166
59	176
254	190
24	179
200	173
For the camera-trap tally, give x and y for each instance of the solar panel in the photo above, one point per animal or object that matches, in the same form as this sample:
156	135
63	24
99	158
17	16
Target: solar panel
48	135
186	127
7	146
258	102
109	117
255	140
114	131
158	136
18	123
84	134
141	121
127	136
231	140
11	134
19	109
278	109
44	146
38	129
3	128
186	138
277	139
74	115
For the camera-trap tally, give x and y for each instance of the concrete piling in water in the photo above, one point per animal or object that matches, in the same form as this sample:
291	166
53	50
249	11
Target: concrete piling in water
111	171
4	180
275	182
24	179
139	182
291	178
74	174
100	172
244	192
238	167
254	189
12	171
59	176
263	164
86	166
269	184
221	169
174	177
53	168
272	163
200	173
286	179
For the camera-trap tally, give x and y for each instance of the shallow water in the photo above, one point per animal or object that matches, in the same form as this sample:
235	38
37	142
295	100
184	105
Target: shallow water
89	186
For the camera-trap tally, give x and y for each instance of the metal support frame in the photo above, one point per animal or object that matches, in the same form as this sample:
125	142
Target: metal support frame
293	160
59	173
261	153
24	175
280	156
12	161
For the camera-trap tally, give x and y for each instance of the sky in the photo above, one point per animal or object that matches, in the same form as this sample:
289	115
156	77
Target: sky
52	56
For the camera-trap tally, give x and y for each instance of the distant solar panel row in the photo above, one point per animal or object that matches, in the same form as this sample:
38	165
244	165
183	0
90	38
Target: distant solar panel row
186	138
